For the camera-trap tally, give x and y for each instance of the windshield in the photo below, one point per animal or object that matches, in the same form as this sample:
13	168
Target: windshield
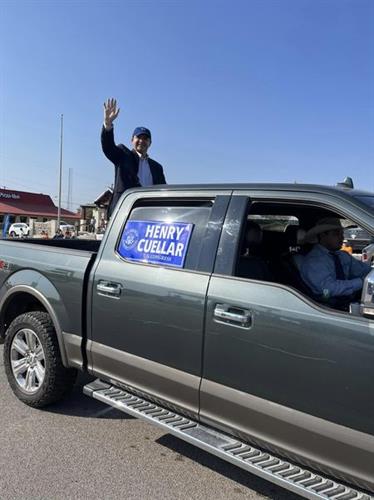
368	200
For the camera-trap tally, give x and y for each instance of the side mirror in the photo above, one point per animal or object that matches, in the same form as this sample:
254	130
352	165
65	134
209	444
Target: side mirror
367	297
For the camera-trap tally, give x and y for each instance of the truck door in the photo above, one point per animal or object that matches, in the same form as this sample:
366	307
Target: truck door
281	369
149	292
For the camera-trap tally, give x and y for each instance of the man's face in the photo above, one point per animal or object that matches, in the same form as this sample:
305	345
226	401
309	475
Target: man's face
332	240
141	143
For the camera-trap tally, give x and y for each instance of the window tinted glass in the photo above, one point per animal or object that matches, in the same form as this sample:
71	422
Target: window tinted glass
368	200
189	212
274	222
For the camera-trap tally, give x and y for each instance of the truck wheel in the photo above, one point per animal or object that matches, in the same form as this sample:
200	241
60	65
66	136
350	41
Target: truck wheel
33	362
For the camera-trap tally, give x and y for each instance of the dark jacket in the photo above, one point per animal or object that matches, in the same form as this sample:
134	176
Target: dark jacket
126	164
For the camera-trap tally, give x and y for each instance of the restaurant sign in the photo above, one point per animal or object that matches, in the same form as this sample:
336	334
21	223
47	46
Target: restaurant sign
9	196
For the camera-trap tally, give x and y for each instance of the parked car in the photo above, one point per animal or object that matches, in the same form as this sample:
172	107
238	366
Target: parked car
368	254
64	226
252	369
357	238
19	229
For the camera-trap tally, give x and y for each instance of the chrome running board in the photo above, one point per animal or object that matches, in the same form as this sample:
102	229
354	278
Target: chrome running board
276	470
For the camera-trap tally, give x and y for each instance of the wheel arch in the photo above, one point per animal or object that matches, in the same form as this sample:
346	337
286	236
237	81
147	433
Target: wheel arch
21	299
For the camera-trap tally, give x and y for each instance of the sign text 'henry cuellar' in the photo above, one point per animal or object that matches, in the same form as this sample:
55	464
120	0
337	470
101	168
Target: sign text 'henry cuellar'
155	242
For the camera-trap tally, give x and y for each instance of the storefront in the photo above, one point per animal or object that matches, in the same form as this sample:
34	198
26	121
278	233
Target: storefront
21	206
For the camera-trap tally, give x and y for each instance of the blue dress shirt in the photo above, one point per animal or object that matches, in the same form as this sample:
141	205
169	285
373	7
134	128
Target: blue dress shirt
318	272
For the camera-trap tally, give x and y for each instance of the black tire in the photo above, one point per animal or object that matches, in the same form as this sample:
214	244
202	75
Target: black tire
12	234
58	380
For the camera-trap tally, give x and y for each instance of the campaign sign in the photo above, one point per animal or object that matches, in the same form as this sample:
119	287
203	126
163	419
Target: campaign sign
155	242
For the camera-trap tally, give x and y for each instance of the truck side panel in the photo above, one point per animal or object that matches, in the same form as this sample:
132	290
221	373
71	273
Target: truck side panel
55	278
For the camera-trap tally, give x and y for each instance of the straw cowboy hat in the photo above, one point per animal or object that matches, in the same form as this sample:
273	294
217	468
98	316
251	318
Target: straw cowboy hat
323	225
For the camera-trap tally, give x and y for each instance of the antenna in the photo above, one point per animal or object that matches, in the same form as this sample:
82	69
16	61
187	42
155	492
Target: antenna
347	183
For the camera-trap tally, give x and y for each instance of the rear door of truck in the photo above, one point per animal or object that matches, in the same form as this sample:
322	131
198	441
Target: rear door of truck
148	293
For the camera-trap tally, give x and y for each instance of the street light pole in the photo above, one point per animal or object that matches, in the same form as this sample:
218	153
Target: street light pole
60	177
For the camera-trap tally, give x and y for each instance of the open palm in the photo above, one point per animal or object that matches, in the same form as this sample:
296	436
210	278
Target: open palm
110	112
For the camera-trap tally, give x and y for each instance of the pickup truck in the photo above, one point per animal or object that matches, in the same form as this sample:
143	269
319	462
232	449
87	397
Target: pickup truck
177	331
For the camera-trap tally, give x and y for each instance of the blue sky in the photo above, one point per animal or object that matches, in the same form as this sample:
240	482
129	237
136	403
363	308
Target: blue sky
244	91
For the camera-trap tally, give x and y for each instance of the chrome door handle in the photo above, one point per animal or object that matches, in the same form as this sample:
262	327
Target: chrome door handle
226	313
109	288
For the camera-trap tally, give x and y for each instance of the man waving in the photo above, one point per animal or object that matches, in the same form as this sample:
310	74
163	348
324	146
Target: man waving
132	167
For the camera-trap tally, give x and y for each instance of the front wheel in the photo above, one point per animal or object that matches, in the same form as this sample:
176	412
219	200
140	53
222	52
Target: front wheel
33	362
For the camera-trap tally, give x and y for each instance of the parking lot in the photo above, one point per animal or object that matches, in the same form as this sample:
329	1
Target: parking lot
83	449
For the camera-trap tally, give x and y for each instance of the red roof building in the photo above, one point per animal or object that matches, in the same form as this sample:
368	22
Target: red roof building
23	206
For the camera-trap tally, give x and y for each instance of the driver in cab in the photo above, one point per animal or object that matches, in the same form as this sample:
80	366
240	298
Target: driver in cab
333	275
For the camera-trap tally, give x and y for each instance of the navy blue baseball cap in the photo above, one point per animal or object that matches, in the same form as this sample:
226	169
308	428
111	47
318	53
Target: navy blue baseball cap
142	131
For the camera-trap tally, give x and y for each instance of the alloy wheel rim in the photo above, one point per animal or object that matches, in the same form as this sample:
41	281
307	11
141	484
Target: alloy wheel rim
27	360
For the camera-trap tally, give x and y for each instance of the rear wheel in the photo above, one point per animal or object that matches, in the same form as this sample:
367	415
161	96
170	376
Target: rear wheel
33	362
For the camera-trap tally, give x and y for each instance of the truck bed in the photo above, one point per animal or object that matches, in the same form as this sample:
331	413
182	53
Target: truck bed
58	271
74	244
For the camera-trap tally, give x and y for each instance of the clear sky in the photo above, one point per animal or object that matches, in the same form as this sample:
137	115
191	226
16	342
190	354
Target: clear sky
243	91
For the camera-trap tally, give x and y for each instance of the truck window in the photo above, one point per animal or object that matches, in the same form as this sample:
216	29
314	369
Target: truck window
265	238
165	233
276	238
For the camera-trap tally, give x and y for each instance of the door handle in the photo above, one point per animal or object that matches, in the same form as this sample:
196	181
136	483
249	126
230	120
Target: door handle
109	288
226	313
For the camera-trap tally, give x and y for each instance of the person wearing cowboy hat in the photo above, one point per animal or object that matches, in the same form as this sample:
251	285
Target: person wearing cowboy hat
333	275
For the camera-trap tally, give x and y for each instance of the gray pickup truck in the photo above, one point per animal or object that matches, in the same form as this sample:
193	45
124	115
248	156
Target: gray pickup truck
181	328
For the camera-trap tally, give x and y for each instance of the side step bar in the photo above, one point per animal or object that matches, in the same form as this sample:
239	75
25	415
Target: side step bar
278	471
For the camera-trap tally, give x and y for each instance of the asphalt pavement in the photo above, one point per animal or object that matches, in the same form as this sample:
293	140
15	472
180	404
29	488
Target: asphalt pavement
81	448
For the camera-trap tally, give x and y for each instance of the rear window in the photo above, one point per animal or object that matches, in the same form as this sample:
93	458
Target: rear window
277	223
358	233
169	234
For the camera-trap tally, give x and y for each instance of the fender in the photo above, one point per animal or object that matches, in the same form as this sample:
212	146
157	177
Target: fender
44	291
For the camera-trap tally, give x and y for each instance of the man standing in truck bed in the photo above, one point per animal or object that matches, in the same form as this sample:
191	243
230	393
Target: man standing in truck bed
132	168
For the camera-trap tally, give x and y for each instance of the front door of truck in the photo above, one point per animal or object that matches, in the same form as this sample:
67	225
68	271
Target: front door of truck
149	291
280	368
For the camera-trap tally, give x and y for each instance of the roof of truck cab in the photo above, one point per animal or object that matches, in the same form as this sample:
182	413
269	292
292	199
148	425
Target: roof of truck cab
260	187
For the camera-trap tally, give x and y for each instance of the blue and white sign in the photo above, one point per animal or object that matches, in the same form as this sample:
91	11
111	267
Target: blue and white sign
155	242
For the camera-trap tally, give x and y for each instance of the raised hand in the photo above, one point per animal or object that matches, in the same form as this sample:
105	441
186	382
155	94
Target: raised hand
110	112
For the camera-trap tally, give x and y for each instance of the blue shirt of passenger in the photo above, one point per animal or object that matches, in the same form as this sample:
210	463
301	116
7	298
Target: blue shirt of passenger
318	271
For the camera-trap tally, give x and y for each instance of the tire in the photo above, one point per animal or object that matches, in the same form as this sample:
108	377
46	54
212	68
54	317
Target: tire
12	234
33	362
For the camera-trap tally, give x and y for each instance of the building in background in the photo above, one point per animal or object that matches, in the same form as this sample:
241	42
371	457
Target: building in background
30	208
102	203
94	216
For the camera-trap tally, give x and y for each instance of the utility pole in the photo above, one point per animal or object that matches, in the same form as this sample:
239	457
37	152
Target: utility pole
70	188
60	177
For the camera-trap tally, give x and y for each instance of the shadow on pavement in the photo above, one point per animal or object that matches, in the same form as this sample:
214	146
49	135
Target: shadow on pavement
78	405
226	469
